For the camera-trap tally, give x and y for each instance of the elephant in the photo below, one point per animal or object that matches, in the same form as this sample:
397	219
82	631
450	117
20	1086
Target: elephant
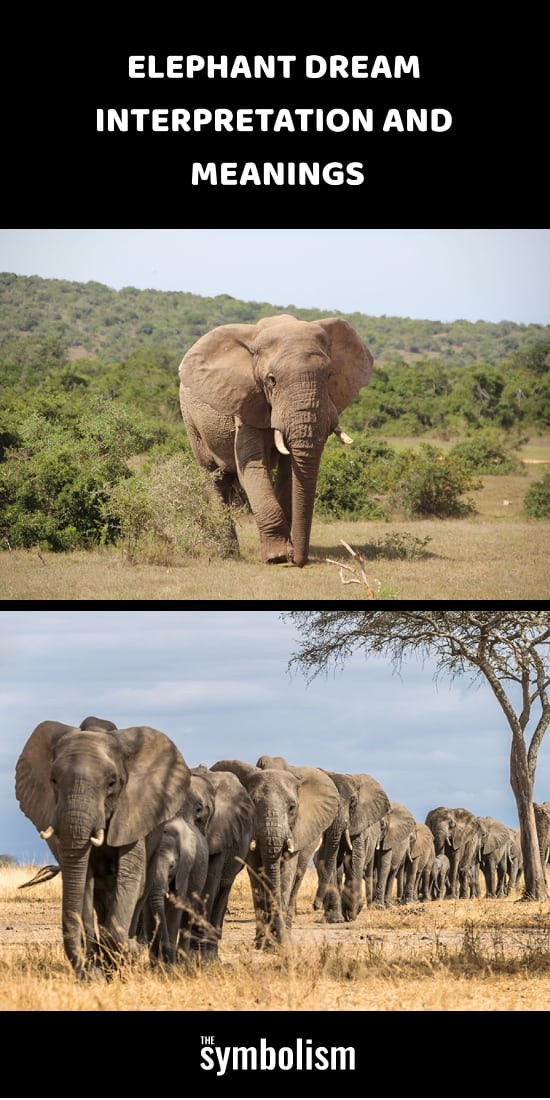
457	833
398	834
292	808
494	853
256	398
418	865
542	822
349	841
100	797
175	897
228	831
514	868
439	876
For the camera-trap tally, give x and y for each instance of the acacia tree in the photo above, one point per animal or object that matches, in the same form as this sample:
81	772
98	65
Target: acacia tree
510	650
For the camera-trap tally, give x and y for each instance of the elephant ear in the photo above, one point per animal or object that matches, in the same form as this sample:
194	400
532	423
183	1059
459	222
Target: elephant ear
33	789
351	361
155	788
370	805
219	370
318	804
245	772
97	725
232	821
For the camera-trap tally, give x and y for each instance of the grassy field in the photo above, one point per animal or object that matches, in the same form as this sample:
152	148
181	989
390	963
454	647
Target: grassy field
465	955
497	554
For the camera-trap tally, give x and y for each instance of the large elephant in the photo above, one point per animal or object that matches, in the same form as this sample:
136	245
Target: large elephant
458	834
493	856
265	396
228	830
398	834
349	841
100	797
292	808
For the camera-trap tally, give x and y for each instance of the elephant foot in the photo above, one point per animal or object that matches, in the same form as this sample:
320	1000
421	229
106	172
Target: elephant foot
333	917
276	551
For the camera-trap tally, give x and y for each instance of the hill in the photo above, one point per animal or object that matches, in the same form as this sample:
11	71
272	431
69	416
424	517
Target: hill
93	320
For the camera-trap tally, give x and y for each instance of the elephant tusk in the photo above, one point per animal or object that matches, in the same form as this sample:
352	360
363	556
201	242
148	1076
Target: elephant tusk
97	841
342	436
347	839
47	833
252	845
280	443
289	846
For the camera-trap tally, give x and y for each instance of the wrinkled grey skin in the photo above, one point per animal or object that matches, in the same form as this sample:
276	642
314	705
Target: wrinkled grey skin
103	796
396	842
494	852
349	842
228	831
439	877
241	385
458	833
418	865
292	808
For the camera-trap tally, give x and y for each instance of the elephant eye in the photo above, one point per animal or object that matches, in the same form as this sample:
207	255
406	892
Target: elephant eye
112	781
291	807
53	779
271	379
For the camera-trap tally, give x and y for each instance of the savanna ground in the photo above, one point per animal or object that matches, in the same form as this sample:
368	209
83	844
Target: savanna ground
444	955
497	554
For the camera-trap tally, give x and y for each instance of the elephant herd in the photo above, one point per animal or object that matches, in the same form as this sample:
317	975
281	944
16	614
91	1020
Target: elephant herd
149	848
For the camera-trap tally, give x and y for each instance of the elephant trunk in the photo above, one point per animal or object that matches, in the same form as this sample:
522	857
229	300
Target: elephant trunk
273	844
305	468
74	867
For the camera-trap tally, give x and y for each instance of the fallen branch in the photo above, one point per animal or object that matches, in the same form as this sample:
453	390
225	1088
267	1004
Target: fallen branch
362	579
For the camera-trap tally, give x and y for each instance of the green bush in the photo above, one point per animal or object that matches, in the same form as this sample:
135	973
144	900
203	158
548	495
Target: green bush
350	475
171	513
487	452
55	482
428	482
536	502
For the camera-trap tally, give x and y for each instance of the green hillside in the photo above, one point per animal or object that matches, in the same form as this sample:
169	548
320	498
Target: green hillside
90	319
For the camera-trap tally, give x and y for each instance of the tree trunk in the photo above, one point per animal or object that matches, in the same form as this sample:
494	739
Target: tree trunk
535	888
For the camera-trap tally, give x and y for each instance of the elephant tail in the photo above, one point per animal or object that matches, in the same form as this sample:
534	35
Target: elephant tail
43	875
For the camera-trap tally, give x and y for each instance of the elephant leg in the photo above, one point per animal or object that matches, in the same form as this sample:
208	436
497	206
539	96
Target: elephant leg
255	478
129	887
389	886
301	868
283	485
216	897
383	872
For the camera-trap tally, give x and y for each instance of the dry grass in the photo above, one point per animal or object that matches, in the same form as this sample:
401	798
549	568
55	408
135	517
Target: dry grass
497	554
476	955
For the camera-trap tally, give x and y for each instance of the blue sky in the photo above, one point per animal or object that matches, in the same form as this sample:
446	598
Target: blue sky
217	683
435	274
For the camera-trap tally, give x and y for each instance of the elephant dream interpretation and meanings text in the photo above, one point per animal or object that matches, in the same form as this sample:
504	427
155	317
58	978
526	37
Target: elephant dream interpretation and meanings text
262	398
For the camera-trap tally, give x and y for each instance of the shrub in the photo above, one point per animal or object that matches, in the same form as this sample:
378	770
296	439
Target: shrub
488	452
349	476
171	513
428	482
536	502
